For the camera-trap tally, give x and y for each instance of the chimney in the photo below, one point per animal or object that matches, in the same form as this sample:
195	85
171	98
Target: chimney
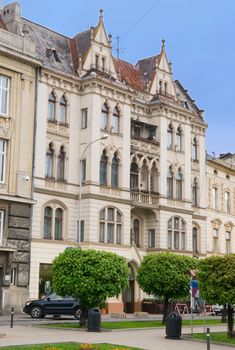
11	15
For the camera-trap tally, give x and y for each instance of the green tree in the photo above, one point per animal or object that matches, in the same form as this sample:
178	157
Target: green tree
166	275
91	276
216	277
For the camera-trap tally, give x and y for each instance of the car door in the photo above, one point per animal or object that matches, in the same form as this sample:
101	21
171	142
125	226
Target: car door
53	305
68	305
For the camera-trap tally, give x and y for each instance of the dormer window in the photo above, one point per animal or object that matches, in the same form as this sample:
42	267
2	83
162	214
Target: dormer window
52	53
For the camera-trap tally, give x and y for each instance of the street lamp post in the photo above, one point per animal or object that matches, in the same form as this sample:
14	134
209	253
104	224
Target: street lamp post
79	226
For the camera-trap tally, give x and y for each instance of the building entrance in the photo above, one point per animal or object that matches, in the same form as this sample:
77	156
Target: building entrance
129	294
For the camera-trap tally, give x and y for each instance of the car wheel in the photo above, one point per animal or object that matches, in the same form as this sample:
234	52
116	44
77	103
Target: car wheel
36	312
77	313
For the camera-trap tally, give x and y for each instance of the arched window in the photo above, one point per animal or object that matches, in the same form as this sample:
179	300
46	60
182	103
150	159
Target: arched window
103	168
63	110
176	233
154	179
144	177
170	136
110	225
195	240
170	183
136	227
61	164
115	121
194	193
58	224
178	140
114	171
47	223
49	161
178	179
134	177
194	149
104	117
51	107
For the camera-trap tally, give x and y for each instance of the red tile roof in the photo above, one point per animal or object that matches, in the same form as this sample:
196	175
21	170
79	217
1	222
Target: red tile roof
130	74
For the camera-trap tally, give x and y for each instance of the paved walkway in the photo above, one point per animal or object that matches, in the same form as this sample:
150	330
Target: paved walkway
150	339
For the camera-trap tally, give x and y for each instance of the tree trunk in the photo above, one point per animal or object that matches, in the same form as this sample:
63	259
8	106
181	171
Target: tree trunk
230	321
165	310
83	317
224	314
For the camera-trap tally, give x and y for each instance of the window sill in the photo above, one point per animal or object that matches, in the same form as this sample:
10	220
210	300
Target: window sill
47	178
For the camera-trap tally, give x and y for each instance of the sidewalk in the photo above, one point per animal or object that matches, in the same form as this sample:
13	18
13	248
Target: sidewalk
148	339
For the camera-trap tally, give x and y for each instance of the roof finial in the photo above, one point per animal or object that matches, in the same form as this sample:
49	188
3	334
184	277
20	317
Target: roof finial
101	14
163	44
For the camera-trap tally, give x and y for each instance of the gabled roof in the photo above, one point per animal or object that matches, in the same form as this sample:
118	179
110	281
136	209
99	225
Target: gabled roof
129	74
147	67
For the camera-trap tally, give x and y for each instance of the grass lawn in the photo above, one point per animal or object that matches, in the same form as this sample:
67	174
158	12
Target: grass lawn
134	324
217	337
69	346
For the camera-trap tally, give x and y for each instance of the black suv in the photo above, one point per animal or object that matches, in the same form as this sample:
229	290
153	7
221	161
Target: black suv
53	305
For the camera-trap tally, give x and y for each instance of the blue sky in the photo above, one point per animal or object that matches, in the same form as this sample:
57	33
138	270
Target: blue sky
199	40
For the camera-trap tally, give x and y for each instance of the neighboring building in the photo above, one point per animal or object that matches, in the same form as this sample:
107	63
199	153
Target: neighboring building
221	204
144	188
17	103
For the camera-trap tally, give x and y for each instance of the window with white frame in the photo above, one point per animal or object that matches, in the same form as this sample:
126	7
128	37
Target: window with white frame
115	121
104	117
53	227
13	276
83	170
110	229
178	140
170	183
215	240
3	150
176	233
170	137
1	225
84	113
178	184
51	107
227	202
214	198
4	94
63	110
49	161
228	242
151	238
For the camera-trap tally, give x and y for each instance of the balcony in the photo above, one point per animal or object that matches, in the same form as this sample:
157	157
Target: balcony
146	146
144	198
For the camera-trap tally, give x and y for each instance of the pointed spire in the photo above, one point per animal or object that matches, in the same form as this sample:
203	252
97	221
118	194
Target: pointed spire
101	15
163	44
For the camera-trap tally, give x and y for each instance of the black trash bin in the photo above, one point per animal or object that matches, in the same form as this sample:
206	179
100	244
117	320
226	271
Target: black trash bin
94	320
173	325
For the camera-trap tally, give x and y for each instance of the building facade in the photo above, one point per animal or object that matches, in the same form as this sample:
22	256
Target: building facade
120	161
18	65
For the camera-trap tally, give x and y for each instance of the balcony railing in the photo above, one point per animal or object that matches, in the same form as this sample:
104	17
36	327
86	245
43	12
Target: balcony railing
144	198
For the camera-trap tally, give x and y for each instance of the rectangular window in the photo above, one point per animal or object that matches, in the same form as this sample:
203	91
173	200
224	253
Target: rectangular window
183	243
104	120
169	188
228	242
152	133
215	240
178	189
115	124
103	64
176	239
97	62
4	94
1	226
110	233
151	238
169	239
84	118
83	170
2	160
118	234
227	202
194	195
102	230
214	198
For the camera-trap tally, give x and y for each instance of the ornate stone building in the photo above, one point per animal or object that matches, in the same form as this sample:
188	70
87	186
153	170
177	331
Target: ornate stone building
17	95
119	153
